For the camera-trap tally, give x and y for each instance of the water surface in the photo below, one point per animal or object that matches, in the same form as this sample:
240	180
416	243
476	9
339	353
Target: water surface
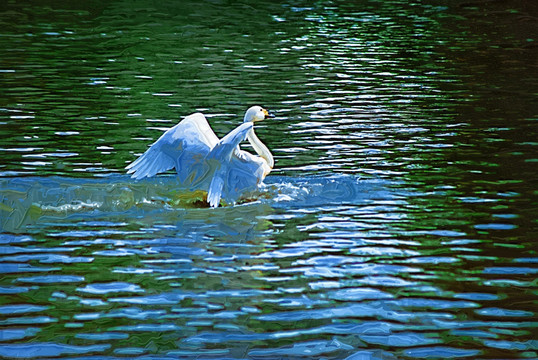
399	222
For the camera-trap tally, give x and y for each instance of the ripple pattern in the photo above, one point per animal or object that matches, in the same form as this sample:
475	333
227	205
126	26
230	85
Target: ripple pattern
399	222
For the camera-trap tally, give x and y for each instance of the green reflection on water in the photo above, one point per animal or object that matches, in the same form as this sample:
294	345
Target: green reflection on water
401	91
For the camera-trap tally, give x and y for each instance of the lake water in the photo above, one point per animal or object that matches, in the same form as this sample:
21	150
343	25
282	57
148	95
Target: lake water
400	221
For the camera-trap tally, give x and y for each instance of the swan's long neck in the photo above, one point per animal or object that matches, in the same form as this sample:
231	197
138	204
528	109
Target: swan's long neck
260	148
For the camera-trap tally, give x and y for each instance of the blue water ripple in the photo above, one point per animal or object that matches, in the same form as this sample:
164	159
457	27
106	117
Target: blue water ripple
354	269
39	350
358	294
495	311
531	260
148	328
12	289
369	327
247	293
182	251
170	298
440	352
474	333
433	260
104	336
7	250
52	279
101	223
28	320
195	354
476	296
383	251
112	287
17	268
366	327
288	252
296	302
12	239
310	349
121	252
495	226
444	324
387	281
135	314
47	258
371	355
327	260
21	309
512	345
447	233
130	351
508	270
220	337
406	339
87	316
355	310
93	233
436	304
17	334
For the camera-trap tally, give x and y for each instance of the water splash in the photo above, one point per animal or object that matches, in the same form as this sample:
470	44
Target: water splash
27	201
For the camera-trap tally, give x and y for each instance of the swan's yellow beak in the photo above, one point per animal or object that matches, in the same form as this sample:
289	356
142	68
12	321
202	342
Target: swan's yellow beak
268	114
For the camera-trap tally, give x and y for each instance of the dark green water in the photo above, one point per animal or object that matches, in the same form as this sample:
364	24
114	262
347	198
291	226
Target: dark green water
400	221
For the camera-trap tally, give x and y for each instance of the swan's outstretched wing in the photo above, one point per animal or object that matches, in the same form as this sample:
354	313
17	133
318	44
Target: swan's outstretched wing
183	146
222	159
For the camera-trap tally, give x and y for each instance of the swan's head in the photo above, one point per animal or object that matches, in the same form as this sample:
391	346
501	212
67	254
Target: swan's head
256	113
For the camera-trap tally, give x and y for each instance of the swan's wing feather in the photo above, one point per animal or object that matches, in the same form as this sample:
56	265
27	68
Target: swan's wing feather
220	158
225	148
181	146
196	130
152	162
214	192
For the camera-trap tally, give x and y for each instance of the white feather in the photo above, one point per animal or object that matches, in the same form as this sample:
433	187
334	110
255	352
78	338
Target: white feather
202	161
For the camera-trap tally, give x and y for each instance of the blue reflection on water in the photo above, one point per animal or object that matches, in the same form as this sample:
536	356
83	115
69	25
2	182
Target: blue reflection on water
33	350
133	253
46	199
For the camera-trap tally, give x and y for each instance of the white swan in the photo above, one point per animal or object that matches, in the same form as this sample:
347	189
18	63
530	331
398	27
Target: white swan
203	162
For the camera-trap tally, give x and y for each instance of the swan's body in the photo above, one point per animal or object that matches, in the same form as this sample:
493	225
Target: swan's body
203	162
